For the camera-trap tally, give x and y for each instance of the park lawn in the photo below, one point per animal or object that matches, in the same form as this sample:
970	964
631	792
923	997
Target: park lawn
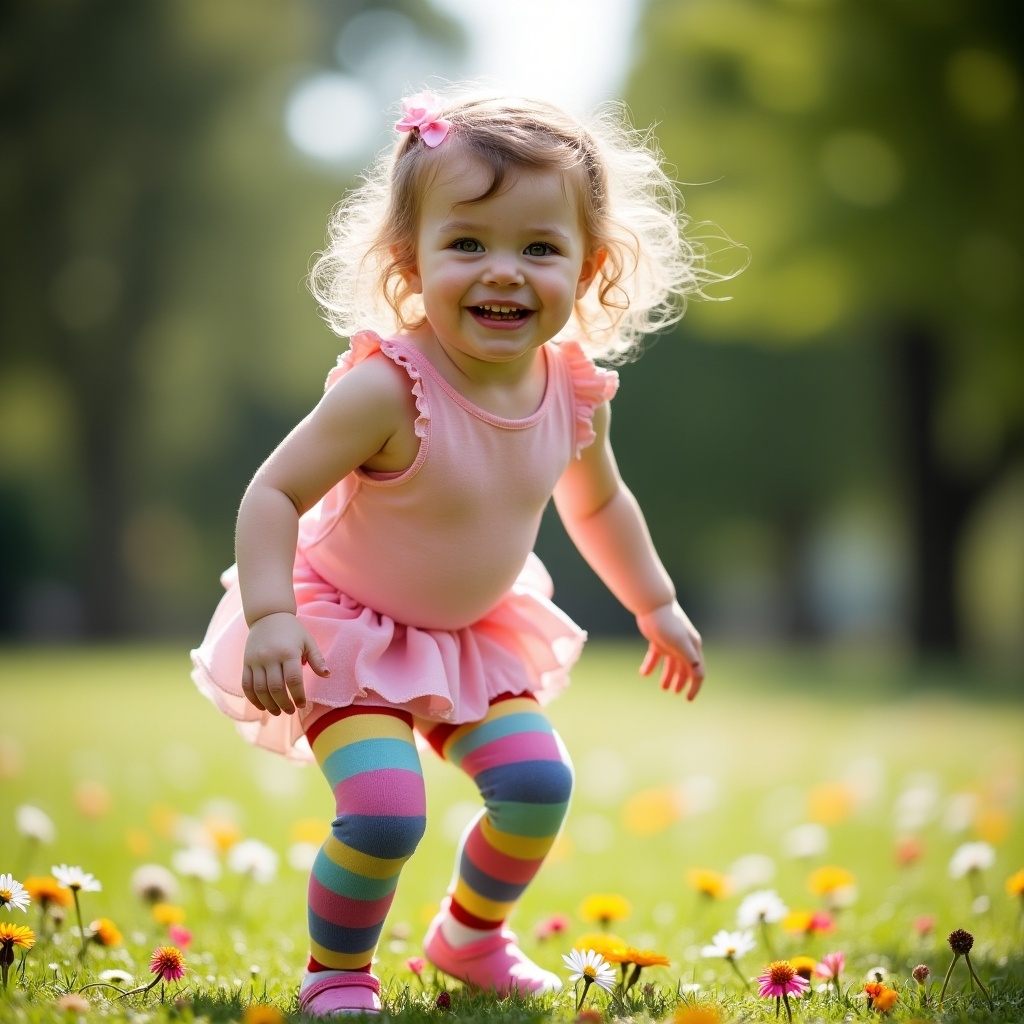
127	759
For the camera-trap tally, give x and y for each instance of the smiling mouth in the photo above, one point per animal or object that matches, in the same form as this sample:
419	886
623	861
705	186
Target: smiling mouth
508	314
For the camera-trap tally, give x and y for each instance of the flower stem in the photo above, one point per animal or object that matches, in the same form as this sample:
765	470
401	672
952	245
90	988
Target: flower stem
767	941
4	968
735	967
587	982
789	1013
974	975
945	980
81	928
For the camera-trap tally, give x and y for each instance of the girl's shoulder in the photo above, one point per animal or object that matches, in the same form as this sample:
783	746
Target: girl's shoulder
384	367
592	385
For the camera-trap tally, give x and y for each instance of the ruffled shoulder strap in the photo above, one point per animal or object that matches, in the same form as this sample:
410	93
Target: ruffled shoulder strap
591	385
364	344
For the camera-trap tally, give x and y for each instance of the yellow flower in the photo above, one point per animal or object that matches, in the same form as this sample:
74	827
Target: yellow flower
706	1013
605	908
651	811
168	913
1014	884
12	935
644	957
803	965
262	1013
105	932
831	803
223	834
608	945
826	880
712	884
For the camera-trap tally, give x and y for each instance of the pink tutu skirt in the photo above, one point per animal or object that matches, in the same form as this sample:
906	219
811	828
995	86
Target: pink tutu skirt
525	644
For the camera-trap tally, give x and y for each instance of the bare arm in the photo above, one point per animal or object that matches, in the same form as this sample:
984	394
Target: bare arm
355	422
607	526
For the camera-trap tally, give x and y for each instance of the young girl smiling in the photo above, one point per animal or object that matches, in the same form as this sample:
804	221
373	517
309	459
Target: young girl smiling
386	588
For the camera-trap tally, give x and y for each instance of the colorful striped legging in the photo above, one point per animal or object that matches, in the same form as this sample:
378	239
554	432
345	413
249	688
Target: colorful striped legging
369	758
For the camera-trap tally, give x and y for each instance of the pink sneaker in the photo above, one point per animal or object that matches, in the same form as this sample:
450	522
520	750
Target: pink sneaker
495	963
342	995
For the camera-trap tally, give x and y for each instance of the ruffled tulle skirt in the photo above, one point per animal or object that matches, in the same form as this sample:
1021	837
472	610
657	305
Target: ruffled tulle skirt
525	644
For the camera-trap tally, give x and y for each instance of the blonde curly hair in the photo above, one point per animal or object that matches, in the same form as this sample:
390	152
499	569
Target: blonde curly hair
629	206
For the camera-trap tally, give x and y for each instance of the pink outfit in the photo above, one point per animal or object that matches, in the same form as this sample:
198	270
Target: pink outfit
421	587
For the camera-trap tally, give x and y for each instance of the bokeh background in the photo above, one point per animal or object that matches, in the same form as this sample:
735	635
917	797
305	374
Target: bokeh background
833	457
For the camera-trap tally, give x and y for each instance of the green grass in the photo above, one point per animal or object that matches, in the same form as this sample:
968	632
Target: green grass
770	735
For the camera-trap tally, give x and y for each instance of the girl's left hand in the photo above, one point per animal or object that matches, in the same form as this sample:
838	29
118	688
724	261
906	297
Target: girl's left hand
673	639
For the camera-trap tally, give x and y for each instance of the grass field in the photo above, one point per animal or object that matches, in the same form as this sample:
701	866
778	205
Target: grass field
893	773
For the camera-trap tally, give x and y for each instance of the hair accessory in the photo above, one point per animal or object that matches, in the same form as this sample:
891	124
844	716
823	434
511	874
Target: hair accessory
422	112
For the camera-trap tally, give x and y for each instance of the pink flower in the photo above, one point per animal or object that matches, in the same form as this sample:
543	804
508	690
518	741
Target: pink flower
416	965
167	962
553	925
831	965
423	112
780	979
924	925
179	935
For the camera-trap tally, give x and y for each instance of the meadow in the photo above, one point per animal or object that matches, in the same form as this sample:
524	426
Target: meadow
864	806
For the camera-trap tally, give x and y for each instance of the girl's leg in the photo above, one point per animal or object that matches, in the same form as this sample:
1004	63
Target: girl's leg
522	770
369	758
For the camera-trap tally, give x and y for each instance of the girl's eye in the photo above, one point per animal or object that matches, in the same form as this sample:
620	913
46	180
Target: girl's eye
467	245
539	249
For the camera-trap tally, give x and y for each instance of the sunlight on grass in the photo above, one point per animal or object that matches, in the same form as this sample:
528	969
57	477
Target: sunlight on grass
785	764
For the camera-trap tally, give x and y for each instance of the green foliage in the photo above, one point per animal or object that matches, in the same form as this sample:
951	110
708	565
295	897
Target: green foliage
128	760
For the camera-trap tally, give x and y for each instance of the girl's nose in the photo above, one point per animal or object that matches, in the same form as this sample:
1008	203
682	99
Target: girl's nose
503	270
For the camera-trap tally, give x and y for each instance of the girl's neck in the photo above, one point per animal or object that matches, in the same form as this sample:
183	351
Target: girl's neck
513	390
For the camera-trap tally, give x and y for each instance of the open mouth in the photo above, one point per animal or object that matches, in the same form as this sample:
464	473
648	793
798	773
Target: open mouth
504	314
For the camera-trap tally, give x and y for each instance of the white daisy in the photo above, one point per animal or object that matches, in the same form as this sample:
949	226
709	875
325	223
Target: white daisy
197	862
153	883
730	944
13	893
35	824
590	967
116	977
761	907
255	859
971	857
75	878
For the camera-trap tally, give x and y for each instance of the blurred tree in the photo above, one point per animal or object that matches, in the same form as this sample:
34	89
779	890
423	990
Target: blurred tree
870	156
157	227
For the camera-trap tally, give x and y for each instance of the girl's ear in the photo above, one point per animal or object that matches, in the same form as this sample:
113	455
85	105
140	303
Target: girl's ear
591	266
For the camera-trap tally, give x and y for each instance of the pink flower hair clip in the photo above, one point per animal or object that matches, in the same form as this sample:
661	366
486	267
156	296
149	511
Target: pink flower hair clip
422	112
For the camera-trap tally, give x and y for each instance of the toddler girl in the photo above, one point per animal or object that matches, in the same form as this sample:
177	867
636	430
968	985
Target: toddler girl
386	590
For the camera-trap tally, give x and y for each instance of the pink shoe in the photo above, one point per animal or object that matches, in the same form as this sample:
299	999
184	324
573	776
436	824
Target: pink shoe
341	995
495	963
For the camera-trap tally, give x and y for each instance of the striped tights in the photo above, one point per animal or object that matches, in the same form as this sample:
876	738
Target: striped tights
369	758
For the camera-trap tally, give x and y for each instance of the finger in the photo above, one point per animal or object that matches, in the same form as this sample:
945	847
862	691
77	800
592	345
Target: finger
293	682
248	689
315	660
278	690
261	691
650	662
696	679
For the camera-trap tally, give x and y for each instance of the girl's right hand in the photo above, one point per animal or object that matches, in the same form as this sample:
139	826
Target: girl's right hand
275	651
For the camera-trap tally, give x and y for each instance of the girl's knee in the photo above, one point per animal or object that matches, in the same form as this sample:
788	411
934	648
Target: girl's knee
528	782
384	836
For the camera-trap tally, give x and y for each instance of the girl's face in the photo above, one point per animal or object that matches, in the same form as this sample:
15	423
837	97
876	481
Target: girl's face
499	277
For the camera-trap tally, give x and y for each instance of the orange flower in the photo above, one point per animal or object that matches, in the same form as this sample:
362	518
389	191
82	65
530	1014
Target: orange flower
605	908
12	935
706	1013
880	997
610	946
645	957
712	884
262	1013
105	932
46	890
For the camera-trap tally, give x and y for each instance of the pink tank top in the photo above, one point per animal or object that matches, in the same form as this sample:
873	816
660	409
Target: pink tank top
440	544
